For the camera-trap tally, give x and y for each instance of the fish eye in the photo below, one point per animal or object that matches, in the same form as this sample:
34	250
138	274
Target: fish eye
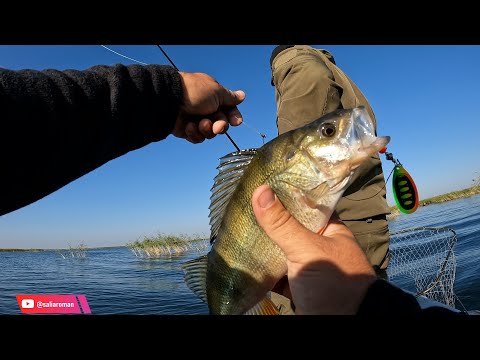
328	130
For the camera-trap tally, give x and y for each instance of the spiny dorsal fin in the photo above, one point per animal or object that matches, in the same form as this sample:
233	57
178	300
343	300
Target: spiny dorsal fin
231	168
264	307
195	276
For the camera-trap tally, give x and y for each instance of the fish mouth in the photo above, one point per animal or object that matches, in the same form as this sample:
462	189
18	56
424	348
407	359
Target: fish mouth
362	137
367	150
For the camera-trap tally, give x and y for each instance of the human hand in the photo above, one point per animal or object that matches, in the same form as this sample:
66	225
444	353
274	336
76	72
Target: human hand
328	274
208	108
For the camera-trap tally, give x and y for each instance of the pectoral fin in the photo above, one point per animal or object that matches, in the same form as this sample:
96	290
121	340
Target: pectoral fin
264	307
195	273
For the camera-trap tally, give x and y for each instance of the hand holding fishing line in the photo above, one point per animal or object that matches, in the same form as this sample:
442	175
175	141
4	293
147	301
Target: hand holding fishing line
203	115
208	108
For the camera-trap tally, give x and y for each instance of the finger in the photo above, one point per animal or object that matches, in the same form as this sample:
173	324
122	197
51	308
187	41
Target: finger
179	128
233	115
205	127
230	98
220	123
220	127
180	133
193	134
336	226
293	238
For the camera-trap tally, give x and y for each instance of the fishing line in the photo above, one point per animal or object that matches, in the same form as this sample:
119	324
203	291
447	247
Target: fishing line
251	127
126	57
383	187
176	68
263	136
171	62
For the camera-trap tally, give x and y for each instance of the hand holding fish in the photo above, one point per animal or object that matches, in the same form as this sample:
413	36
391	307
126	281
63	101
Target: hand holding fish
208	108
309	168
328	274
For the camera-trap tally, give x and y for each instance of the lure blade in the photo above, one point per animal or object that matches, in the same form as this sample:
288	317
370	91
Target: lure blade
404	190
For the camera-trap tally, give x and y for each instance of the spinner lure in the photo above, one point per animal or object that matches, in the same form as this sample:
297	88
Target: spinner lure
404	188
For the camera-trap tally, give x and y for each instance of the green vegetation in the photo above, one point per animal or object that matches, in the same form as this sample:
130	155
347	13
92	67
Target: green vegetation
13	250
79	251
474	190
62	250
167	245
454	195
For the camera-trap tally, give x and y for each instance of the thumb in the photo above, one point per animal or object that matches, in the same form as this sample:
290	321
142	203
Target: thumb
293	238
231	98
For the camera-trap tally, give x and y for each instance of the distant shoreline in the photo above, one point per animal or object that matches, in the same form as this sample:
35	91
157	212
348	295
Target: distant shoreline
63	249
454	195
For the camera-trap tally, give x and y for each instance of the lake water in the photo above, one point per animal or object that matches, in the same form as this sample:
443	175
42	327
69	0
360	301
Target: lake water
116	282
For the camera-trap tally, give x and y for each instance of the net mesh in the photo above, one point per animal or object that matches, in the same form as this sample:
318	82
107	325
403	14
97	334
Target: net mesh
422	260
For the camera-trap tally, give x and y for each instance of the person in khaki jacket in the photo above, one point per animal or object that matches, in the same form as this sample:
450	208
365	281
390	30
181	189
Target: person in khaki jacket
308	85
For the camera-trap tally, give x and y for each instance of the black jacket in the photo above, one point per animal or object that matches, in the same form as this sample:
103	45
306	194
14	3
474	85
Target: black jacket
56	126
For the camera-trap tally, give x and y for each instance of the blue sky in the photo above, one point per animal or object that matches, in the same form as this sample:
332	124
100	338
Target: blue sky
425	97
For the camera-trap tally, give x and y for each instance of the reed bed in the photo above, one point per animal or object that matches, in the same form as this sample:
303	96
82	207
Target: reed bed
454	195
167	245
472	191
79	252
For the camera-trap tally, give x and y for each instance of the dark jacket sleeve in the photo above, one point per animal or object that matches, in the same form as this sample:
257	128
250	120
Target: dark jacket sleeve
56	126
384	298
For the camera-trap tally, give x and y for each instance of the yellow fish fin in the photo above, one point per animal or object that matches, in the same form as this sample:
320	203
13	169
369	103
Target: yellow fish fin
264	307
